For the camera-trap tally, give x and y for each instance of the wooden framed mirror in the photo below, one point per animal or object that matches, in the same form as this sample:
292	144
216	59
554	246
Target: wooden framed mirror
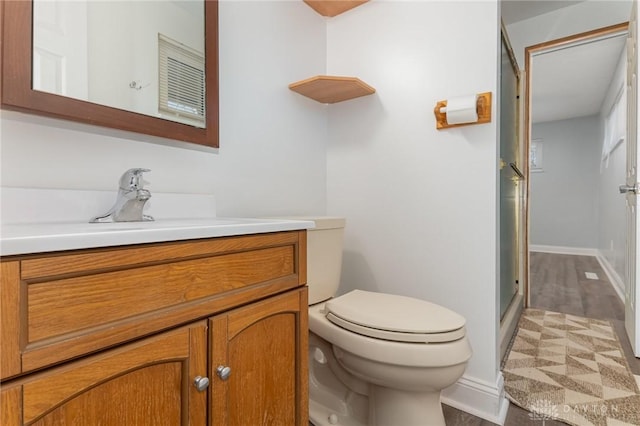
17	92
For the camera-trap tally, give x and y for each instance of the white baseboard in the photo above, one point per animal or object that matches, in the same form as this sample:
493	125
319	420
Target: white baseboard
579	251
616	282
478	398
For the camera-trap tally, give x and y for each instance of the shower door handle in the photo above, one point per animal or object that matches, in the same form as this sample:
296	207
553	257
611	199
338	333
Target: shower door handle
517	171
628	188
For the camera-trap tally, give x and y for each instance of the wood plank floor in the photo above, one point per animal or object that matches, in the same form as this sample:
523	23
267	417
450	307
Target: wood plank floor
559	283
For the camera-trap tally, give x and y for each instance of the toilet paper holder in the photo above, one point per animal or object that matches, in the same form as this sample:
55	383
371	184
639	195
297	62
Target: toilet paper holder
483	108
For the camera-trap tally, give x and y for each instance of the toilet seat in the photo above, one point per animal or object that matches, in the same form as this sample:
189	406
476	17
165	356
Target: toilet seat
387	351
395	318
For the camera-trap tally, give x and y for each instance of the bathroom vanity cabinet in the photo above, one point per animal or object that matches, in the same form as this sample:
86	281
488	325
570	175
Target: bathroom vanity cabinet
130	335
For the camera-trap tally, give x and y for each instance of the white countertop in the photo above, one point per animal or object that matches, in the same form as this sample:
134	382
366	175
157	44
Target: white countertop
48	237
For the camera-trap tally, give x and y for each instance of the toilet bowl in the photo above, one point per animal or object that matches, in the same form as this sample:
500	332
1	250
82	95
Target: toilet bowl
404	373
375	359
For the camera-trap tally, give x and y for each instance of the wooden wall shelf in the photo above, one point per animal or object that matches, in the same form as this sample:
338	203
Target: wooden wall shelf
331	89
333	7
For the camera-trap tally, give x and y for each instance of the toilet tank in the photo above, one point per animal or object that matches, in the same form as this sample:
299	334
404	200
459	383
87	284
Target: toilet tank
324	257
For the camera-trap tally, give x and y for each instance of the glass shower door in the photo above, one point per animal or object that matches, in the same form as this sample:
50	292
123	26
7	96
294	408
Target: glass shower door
510	180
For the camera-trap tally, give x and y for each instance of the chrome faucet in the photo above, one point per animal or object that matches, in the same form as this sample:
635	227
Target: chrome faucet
131	200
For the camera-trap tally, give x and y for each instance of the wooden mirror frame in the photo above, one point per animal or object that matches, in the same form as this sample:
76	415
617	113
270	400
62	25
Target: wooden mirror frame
16	91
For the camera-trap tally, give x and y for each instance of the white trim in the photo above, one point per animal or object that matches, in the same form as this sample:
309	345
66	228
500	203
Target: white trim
580	251
616	282
478	398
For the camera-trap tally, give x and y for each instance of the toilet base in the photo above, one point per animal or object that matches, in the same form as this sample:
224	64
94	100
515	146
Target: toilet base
319	415
389	407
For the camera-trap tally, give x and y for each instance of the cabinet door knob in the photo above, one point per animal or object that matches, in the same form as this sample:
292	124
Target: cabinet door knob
223	372
201	383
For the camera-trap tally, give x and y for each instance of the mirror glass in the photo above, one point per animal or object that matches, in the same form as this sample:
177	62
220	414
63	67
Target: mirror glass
140	56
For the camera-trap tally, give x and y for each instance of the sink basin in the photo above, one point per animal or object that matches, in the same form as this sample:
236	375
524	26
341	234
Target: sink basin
159	224
67	228
68	213
46	237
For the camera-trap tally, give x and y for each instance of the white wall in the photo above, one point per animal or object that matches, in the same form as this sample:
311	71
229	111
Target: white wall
272	141
584	16
420	203
564	197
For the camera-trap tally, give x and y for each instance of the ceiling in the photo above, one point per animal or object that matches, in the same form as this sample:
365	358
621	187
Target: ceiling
519	10
571	82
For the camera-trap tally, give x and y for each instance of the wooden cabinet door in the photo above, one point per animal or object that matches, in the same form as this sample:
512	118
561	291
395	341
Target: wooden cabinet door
265	346
149	382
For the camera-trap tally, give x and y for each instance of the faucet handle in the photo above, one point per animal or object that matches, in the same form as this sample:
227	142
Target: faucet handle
132	179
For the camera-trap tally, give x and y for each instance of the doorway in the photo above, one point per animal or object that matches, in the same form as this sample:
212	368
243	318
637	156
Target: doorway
574	208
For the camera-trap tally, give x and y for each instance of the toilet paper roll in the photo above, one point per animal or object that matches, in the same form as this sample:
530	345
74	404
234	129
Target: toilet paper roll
462	110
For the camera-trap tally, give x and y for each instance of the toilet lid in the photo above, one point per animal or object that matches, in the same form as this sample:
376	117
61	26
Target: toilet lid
396	318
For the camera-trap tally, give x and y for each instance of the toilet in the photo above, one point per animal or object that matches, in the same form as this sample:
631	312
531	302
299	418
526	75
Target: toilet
375	359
